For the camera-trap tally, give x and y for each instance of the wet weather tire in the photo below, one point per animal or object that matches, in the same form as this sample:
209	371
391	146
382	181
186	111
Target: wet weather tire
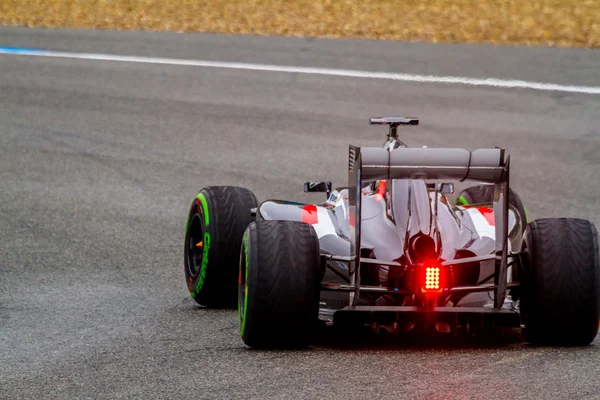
216	223
560	277
279	284
485	194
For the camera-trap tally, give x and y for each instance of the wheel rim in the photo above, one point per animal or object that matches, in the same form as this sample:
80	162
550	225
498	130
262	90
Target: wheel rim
195	246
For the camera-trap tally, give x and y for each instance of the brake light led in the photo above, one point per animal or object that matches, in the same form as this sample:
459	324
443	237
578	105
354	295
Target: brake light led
432	278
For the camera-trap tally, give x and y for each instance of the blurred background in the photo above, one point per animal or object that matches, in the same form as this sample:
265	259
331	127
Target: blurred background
573	23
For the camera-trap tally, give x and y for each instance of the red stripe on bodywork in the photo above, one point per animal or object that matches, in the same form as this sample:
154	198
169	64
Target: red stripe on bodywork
381	191
309	214
487	213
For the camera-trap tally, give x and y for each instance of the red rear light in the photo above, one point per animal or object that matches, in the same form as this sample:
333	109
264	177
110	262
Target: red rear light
432	277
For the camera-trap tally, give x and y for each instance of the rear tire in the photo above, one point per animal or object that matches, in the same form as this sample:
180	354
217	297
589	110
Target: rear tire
216	223
560	281
485	194
280	283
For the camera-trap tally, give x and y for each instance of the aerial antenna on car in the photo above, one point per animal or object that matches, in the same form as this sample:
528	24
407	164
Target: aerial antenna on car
393	122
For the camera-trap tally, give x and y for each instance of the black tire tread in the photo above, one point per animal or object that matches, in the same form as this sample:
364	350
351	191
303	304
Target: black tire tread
284	285
229	210
560	300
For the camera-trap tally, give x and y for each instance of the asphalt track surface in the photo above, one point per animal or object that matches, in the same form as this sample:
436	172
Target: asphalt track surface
99	162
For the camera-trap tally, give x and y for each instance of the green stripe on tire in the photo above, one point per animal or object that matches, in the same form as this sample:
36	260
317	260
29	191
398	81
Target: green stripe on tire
462	201
204	207
206	245
242	316
205	250
202	199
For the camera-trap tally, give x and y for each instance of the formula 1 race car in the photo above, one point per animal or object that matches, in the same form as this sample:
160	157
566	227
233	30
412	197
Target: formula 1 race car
390	253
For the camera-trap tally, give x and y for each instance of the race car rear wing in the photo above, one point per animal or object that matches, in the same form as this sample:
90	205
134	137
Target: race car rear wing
485	165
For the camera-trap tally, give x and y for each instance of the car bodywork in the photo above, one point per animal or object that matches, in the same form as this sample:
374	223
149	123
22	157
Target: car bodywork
381	236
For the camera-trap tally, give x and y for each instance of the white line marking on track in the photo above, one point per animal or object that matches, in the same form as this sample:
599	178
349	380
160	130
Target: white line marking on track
489	82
